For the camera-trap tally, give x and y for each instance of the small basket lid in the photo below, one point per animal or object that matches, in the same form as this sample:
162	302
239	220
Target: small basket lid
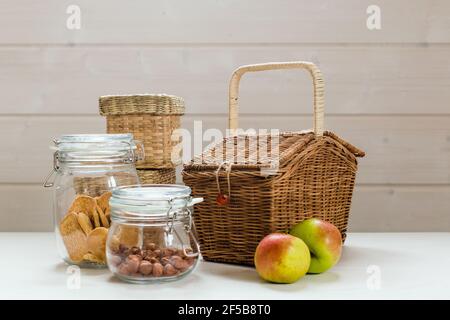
160	104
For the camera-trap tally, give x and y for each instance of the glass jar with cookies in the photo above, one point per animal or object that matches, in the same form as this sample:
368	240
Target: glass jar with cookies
152	236
85	169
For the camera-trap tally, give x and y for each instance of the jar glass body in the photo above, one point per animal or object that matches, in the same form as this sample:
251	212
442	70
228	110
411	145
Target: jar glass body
152	242
85	169
80	228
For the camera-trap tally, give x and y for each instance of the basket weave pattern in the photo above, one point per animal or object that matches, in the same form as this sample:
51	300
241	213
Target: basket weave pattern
157	176
154	131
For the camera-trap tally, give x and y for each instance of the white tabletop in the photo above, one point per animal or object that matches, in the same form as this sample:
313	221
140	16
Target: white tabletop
373	266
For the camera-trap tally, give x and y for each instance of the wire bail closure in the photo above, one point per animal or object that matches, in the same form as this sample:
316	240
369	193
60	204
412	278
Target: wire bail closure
55	168
187	227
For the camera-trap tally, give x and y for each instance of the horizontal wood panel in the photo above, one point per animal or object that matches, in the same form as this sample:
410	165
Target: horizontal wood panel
205	21
379	209
25	208
400	149
409	208
358	79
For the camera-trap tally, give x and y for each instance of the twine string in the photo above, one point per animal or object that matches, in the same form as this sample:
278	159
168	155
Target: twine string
228	170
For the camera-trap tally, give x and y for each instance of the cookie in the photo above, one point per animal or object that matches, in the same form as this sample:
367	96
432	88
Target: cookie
84	222
108	213
103	200
104	221
86	204
93	258
96	242
96	218
73	236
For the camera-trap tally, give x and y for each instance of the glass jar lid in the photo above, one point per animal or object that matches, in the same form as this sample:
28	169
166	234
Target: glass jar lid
97	147
151	200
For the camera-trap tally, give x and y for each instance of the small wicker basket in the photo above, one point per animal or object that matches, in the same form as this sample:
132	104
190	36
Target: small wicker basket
249	194
157	176
151	118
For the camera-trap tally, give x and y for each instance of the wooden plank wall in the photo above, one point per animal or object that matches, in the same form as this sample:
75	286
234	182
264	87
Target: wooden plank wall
387	90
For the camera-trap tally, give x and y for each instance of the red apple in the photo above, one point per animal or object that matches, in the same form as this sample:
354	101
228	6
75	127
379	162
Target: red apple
323	240
282	258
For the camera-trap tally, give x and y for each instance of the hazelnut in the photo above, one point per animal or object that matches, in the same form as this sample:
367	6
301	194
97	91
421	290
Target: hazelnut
154	260
150	254
177	262
145	268
135	250
157	252
135	257
147	257
150	246
115	260
169	270
167	252
123	269
158	270
189	261
164	261
185	266
132	264
123	249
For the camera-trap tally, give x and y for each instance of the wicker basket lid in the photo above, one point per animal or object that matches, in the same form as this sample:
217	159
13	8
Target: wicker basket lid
246	151
141	103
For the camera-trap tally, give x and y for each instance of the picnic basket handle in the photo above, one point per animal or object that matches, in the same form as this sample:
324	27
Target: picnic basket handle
318	85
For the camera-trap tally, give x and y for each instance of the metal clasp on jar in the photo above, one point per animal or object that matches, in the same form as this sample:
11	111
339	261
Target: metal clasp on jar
55	168
187	227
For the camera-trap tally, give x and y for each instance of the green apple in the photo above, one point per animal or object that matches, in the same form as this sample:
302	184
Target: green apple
282	258
323	240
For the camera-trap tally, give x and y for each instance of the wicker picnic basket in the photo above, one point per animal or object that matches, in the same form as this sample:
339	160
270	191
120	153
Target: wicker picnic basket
249	194
151	118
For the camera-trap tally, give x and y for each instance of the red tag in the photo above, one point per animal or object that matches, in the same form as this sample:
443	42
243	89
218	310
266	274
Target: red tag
222	199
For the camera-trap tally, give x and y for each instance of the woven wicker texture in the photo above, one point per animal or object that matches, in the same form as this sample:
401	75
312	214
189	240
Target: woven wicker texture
315	178
157	176
161	104
151	119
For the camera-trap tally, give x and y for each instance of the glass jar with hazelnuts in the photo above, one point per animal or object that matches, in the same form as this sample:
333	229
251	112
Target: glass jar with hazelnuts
151	237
